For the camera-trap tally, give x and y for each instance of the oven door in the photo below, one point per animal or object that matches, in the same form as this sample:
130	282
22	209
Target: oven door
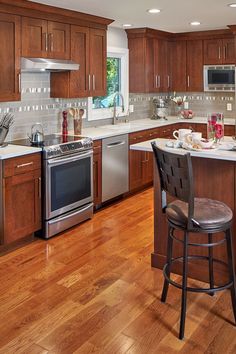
68	183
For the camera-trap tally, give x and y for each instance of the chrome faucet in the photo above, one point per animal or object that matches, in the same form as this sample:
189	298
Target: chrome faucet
118	94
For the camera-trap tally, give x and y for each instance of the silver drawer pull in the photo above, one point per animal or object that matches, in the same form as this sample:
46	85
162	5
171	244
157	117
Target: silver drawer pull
25	164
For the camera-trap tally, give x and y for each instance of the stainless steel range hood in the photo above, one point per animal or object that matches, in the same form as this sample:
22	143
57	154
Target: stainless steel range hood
41	64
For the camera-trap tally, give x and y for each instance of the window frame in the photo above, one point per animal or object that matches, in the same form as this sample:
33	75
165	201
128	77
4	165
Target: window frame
105	113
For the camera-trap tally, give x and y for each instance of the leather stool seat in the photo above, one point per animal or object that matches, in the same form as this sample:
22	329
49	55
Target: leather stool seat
208	213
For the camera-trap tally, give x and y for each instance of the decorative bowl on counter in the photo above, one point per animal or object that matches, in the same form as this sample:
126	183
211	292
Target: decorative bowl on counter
187	114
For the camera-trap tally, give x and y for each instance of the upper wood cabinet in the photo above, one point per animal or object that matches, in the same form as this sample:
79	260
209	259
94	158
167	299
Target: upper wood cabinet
45	39
187	65
179	62
219	51
88	49
149	69
10	57
194	65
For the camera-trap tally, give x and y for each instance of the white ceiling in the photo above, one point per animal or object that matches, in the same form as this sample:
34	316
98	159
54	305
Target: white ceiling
175	15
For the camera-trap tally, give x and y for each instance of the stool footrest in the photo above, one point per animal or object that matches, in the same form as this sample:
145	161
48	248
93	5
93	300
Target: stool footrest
195	290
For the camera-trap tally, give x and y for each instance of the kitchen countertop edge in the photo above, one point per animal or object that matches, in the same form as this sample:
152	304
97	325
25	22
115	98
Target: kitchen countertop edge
10	151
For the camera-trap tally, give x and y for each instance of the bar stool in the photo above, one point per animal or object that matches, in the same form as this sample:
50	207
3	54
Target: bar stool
195	215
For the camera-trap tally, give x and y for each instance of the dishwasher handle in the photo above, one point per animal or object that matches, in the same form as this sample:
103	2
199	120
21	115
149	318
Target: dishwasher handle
117	143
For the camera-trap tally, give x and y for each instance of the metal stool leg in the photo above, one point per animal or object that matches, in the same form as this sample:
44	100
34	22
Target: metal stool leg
231	269
210	255
184	286
168	260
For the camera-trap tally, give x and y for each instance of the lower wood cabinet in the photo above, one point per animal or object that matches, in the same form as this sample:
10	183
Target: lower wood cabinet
229	130
97	172
141	162
21	197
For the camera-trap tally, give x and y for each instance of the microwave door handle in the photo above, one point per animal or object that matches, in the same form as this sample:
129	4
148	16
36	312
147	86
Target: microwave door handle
67	159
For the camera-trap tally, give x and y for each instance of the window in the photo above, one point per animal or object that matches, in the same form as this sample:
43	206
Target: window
113	84
117	81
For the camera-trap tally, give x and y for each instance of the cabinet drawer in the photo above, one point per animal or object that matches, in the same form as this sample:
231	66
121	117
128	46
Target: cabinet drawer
153	133
137	137
166	132
21	164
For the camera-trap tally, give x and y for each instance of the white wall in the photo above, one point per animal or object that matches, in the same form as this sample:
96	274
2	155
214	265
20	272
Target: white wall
116	37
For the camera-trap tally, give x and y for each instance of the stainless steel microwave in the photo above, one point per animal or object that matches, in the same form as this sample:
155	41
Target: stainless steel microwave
219	78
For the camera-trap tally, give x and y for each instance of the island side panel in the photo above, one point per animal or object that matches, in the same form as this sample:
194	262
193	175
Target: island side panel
213	179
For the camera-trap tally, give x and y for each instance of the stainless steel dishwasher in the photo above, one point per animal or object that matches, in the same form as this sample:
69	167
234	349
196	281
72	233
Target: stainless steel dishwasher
115	166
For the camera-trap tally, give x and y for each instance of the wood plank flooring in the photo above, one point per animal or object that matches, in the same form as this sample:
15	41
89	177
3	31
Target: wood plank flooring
92	290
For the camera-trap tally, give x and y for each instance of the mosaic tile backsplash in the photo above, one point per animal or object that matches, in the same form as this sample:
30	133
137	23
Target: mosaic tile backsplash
201	103
37	106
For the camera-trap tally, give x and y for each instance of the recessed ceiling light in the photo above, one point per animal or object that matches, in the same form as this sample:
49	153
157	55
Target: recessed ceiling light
153	11
127	25
232	5
195	23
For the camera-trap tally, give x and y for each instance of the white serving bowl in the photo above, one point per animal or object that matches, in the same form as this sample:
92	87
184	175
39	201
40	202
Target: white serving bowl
206	144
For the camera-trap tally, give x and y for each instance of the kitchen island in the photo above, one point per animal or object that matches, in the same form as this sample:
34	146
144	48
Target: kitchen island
214	177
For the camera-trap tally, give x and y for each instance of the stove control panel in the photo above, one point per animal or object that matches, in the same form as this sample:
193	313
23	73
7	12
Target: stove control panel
67	148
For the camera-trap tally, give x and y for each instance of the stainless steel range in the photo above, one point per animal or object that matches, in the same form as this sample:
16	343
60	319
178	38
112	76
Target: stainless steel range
67	182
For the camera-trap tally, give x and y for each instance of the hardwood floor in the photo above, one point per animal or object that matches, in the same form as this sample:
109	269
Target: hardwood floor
92	290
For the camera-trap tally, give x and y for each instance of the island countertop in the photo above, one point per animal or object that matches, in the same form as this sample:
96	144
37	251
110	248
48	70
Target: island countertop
220	153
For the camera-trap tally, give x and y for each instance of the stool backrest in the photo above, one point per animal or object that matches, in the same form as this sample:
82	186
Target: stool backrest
176	176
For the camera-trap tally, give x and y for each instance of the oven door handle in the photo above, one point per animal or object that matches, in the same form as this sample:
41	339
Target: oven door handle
67	159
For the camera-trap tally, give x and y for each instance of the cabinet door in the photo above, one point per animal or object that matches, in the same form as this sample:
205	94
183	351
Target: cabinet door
22	196
79	79
135	169
9	58
212	51
140	77
148	77
195	65
34	38
98	68
229	130
58	40
228	51
97	172
179	66
165	65
147	167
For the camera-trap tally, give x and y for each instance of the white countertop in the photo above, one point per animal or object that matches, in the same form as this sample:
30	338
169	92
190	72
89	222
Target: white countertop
220	153
106	131
9	151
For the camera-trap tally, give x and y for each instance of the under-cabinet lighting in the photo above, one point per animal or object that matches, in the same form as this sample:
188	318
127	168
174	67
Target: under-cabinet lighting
127	25
232	5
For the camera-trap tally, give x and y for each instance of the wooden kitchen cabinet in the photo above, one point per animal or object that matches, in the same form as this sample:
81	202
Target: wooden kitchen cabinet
141	162
10	57
187	65
97	172
88	48
179	62
45	39
158	65
229	130
149	61
194	65
219	51
21	197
